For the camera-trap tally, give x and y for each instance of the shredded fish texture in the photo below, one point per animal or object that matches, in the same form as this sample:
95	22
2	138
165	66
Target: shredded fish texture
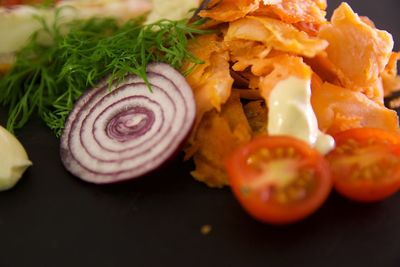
352	40
218	135
256	44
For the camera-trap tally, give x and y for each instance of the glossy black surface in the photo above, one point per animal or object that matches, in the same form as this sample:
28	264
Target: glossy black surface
53	219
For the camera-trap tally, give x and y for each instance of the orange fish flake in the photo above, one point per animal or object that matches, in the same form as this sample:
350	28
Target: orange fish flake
359	51
276	34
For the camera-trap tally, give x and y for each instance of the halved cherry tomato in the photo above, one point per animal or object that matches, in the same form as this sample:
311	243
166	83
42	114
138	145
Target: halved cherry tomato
279	179
365	164
11	3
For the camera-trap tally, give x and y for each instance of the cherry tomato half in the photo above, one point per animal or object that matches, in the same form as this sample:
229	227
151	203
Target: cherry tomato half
279	179
11	3
365	164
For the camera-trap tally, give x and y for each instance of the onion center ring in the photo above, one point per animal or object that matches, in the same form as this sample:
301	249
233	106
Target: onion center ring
130	123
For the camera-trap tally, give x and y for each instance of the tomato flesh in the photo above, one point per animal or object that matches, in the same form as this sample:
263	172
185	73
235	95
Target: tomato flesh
278	179
365	164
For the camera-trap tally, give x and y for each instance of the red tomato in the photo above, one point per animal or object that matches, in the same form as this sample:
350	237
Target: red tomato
10	3
279	179
365	164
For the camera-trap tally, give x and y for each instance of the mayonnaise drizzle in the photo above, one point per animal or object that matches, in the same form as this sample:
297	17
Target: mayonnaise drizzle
290	113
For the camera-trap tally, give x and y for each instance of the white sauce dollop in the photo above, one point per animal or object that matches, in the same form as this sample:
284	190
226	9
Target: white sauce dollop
13	160
290	113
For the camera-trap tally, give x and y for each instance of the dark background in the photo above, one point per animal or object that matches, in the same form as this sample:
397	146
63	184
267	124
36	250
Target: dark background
53	219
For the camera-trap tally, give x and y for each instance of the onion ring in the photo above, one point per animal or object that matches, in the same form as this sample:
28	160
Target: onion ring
126	131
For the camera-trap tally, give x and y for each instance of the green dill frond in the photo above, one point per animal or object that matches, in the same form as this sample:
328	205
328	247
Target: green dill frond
47	79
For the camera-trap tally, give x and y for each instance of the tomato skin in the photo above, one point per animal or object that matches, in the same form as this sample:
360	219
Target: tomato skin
11	3
267	210
363	135
377	152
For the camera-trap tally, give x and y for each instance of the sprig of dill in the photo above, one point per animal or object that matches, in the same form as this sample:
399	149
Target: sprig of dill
48	79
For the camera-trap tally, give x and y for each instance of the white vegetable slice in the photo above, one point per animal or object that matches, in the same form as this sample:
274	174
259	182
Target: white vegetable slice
127	131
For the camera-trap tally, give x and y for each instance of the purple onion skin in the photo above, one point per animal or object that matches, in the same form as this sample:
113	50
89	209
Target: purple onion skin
128	158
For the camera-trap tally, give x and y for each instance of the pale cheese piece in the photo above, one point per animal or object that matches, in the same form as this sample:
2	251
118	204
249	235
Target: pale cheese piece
172	10
17	24
120	9
13	160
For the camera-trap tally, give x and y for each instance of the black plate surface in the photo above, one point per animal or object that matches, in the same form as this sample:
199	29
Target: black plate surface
53	219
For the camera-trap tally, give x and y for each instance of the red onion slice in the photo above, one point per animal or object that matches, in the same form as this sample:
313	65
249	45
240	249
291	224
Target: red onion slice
127	131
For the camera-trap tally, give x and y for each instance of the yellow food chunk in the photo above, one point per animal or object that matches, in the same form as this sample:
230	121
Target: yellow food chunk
13	160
